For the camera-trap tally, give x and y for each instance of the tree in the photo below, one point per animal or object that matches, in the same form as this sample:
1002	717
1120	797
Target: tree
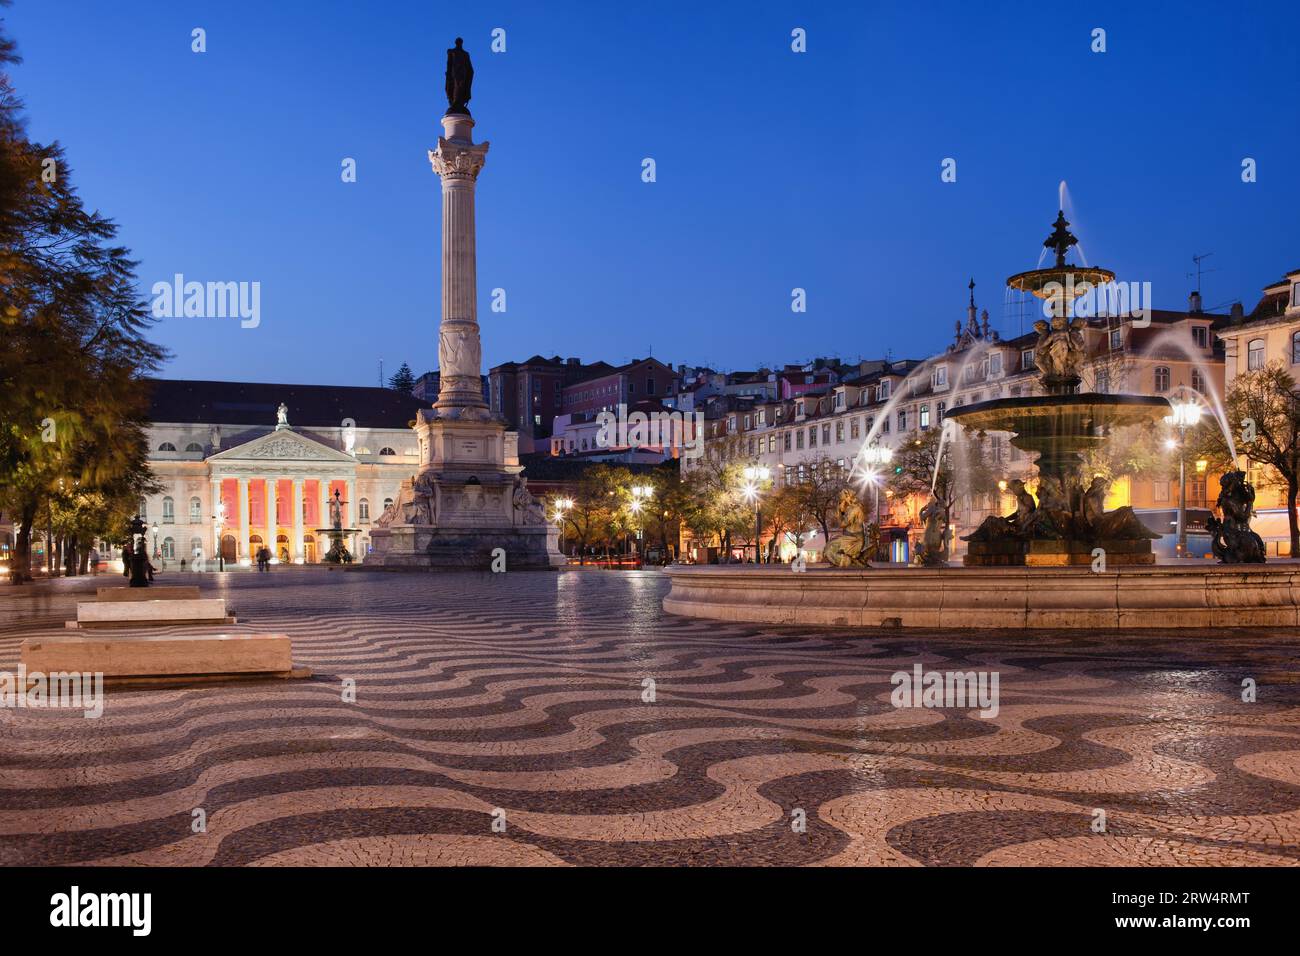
1265	408
594	516
715	506
74	357
403	380
820	488
787	513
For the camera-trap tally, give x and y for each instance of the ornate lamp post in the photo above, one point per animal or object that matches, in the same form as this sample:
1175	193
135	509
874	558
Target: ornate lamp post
155	540
753	475
876	457
562	506
219	519
640	495
1186	414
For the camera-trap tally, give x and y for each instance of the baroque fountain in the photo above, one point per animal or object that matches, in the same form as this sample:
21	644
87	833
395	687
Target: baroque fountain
1061	560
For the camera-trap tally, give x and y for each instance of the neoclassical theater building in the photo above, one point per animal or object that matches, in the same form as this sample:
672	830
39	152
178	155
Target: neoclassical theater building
245	465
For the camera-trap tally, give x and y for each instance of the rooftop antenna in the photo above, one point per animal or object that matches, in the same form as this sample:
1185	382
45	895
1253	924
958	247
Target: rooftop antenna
1199	271
381	373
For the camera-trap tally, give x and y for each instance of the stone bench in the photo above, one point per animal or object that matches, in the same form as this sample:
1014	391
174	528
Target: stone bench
172	593
149	656
145	613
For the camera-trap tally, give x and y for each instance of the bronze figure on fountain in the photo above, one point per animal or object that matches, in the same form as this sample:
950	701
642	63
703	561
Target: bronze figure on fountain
1231	539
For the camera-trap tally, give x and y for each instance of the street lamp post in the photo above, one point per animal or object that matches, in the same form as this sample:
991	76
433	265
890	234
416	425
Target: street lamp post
562	505
1186	414
877	456
640	495
753	475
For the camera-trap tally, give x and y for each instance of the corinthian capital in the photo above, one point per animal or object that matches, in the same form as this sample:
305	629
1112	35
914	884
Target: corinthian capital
458	160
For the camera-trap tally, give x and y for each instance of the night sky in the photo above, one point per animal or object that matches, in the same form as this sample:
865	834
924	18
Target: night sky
775	169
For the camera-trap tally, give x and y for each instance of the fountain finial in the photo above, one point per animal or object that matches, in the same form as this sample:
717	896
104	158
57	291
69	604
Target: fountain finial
1061	238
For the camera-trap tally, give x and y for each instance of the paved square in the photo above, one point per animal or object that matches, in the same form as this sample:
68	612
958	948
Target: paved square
523	693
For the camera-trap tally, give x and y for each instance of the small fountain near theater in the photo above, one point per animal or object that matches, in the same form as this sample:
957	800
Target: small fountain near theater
338	552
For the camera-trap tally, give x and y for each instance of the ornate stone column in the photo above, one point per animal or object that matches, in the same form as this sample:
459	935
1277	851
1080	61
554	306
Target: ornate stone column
212	517
269	541
296	552
243	520
322	506
458	161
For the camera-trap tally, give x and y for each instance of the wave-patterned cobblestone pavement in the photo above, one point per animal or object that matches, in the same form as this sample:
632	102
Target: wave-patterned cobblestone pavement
518	698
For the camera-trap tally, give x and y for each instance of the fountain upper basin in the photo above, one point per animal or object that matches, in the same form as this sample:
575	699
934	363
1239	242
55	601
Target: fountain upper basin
1090	410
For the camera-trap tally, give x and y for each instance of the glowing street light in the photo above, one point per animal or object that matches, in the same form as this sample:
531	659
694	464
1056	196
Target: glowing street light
1186	414
754	475
876	457
640	495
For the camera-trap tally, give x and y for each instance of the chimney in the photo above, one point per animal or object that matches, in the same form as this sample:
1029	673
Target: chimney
1194	302
1238	312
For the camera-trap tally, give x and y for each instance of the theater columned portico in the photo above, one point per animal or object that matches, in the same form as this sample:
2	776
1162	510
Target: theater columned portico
274	490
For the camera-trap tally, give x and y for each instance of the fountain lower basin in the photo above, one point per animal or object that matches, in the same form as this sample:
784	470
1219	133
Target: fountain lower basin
1164	597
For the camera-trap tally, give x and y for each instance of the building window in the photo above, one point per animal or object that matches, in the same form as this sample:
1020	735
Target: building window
798	439
902	420
1255	354
387	451
940	377
1295	348
839	432
1200	336
826	434
194	446
855	427
1198	381
1116	340
1295	294
196	548
169	511
812	437
169	549
940	408
1103	380
649	386
1160	490
388	503
995	364
1162	379
884	389
166	446
1026	358
785	443
884	425
363	510
925	416
196	511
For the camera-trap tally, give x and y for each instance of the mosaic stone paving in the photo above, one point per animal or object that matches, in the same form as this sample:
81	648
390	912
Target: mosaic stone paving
518	699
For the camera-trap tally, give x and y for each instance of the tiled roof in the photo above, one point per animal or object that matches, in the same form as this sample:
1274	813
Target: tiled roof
255	403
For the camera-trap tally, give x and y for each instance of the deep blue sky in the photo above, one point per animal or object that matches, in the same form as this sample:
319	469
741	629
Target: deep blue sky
775	169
